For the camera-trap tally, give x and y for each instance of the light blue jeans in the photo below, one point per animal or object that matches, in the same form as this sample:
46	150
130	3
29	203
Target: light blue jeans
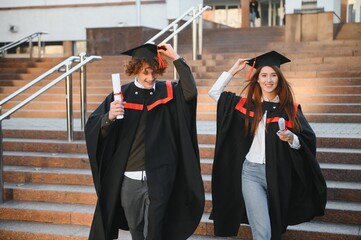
254	190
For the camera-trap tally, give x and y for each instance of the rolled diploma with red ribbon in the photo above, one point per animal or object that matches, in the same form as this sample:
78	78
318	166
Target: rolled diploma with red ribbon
117	90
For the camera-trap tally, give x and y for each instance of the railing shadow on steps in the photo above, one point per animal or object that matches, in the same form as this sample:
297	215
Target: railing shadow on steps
66	66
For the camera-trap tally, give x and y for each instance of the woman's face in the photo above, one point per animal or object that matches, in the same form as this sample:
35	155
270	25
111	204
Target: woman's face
146	77
268	81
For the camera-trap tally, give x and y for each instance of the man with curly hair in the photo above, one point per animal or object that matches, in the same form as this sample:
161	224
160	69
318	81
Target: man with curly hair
145	167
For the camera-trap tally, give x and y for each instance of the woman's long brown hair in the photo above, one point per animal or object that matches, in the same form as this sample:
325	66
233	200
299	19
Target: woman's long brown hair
254	95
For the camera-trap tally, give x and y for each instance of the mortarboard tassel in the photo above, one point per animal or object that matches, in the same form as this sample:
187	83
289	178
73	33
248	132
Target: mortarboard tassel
162	63
251	70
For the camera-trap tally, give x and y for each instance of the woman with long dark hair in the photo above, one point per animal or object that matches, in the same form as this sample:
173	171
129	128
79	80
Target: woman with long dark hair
265	171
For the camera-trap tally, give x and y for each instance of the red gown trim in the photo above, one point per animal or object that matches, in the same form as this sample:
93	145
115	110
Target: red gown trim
243	110
139	107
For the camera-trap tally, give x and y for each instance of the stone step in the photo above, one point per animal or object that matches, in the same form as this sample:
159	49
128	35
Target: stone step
93	100
340	136
199	75
40	133
324	155
344	191
206	150
44	145
52	193
311	230
60	107
80	161
59	213
105	90
43	159
201	116
70	176
331	171
24	230
349	31
311	90
240	81
341	172
342	212
300	98
336	211
333	117
338	155
306	107
291	67
336	190
57	98
311	117
289	74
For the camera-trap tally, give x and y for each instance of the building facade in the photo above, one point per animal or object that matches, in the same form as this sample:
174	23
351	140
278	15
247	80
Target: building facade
66	21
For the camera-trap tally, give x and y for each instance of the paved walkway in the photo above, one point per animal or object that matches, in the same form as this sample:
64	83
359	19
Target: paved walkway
350	130
125	235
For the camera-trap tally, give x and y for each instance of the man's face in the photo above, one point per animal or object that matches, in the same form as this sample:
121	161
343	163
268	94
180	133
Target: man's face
146	77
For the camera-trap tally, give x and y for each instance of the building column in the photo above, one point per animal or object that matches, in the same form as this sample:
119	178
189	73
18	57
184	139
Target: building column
245	13
343	11
67	48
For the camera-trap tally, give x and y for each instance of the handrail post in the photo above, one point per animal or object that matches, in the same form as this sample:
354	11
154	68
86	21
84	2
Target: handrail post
39	45
194	36
83	113
1	164
30	47
175	46
69	103
200	33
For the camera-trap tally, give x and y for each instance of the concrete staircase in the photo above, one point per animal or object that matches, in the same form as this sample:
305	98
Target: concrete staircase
48	185
49	191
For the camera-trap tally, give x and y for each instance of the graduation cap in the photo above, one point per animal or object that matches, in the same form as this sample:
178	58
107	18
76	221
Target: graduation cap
147	51
272	58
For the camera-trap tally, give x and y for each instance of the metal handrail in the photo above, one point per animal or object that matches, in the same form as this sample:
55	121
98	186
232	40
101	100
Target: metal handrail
29	38
170	25
38	79
49	85
83	60
184	25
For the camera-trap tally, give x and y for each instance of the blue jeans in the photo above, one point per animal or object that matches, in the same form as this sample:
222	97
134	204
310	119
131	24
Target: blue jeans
252	19
254	190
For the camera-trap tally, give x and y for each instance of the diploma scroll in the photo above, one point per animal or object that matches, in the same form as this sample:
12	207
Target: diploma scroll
117	90
281	124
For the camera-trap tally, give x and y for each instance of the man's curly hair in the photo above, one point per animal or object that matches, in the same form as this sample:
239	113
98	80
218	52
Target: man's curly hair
135	65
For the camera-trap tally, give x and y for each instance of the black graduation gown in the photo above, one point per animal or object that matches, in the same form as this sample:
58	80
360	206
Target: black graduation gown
171	157
296	186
